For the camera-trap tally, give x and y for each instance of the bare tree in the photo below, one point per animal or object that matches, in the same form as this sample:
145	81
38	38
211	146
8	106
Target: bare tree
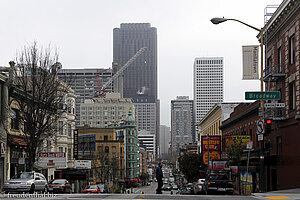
38	96
106	167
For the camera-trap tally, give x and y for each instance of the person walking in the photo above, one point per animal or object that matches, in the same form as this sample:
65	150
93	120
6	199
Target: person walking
159	177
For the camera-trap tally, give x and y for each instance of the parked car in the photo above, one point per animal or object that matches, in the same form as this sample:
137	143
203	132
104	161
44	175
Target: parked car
26	182
218	183
166	181
174	187
92	189
60	185
190	188
198	186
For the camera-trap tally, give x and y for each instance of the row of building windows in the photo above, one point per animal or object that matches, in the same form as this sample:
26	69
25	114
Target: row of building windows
104	108
209	62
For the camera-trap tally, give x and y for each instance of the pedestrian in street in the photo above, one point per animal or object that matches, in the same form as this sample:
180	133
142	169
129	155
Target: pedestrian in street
159	177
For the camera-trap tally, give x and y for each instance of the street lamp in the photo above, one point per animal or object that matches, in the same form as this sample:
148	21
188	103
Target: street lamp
218	20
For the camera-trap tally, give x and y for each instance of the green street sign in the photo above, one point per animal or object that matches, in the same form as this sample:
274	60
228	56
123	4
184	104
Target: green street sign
262	95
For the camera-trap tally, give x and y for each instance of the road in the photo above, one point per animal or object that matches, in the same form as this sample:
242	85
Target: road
148	192
128	196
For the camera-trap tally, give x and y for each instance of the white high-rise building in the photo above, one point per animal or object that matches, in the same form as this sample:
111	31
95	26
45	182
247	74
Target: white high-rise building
148	140
208	84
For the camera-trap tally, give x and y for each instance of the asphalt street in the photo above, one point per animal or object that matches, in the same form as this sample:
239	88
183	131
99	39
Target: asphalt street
148	192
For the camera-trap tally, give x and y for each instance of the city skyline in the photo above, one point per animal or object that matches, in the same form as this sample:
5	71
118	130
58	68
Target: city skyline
82	34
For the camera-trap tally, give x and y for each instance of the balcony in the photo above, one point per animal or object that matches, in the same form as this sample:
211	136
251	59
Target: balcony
273	73
276	114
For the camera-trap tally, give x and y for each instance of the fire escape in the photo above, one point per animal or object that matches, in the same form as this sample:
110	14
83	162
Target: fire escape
274	74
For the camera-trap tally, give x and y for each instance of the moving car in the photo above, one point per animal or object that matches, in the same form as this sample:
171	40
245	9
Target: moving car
198	186
26	182
218	183
92	189
60	185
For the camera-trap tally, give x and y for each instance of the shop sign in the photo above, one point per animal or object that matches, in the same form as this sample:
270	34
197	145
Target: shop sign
214	143
3	149
242	139
213	155
82	164
48	160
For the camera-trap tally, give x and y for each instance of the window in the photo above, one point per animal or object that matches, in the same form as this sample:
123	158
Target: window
105	138
106	149
279	146
60	149
60	128
69	130
292	96
279	59
69	154
15	117
292	49
269	62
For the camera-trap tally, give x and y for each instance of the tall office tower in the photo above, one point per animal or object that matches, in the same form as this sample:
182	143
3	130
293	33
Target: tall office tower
182	122
208	84
140	78
165	139
85	82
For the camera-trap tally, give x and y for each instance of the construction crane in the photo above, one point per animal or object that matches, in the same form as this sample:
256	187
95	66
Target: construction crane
119	72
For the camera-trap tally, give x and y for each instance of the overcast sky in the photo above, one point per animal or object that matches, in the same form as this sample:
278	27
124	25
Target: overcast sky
82	31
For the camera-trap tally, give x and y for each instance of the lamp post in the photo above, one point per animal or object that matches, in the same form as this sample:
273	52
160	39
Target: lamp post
218	20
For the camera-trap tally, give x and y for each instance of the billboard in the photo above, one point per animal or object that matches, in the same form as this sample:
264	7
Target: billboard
48	160
242	139
214	143
250	62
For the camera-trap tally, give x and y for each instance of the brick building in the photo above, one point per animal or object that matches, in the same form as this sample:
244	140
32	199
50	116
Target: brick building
281	35
241	127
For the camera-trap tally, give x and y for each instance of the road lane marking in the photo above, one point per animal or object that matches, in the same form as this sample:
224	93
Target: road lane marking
278	197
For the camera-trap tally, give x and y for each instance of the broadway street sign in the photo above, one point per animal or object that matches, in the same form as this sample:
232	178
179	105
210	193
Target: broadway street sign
262	95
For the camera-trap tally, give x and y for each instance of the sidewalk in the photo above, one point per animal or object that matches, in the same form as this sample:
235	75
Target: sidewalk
280	194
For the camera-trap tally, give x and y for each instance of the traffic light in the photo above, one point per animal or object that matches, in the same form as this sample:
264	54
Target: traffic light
268	127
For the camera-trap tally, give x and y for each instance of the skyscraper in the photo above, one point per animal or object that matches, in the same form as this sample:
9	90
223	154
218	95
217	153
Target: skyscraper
165	139
208	84
182	122
140	78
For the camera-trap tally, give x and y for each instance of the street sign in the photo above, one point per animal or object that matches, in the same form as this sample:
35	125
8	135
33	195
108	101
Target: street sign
260	126
274	105
260	137
249	145
275	95
21	161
